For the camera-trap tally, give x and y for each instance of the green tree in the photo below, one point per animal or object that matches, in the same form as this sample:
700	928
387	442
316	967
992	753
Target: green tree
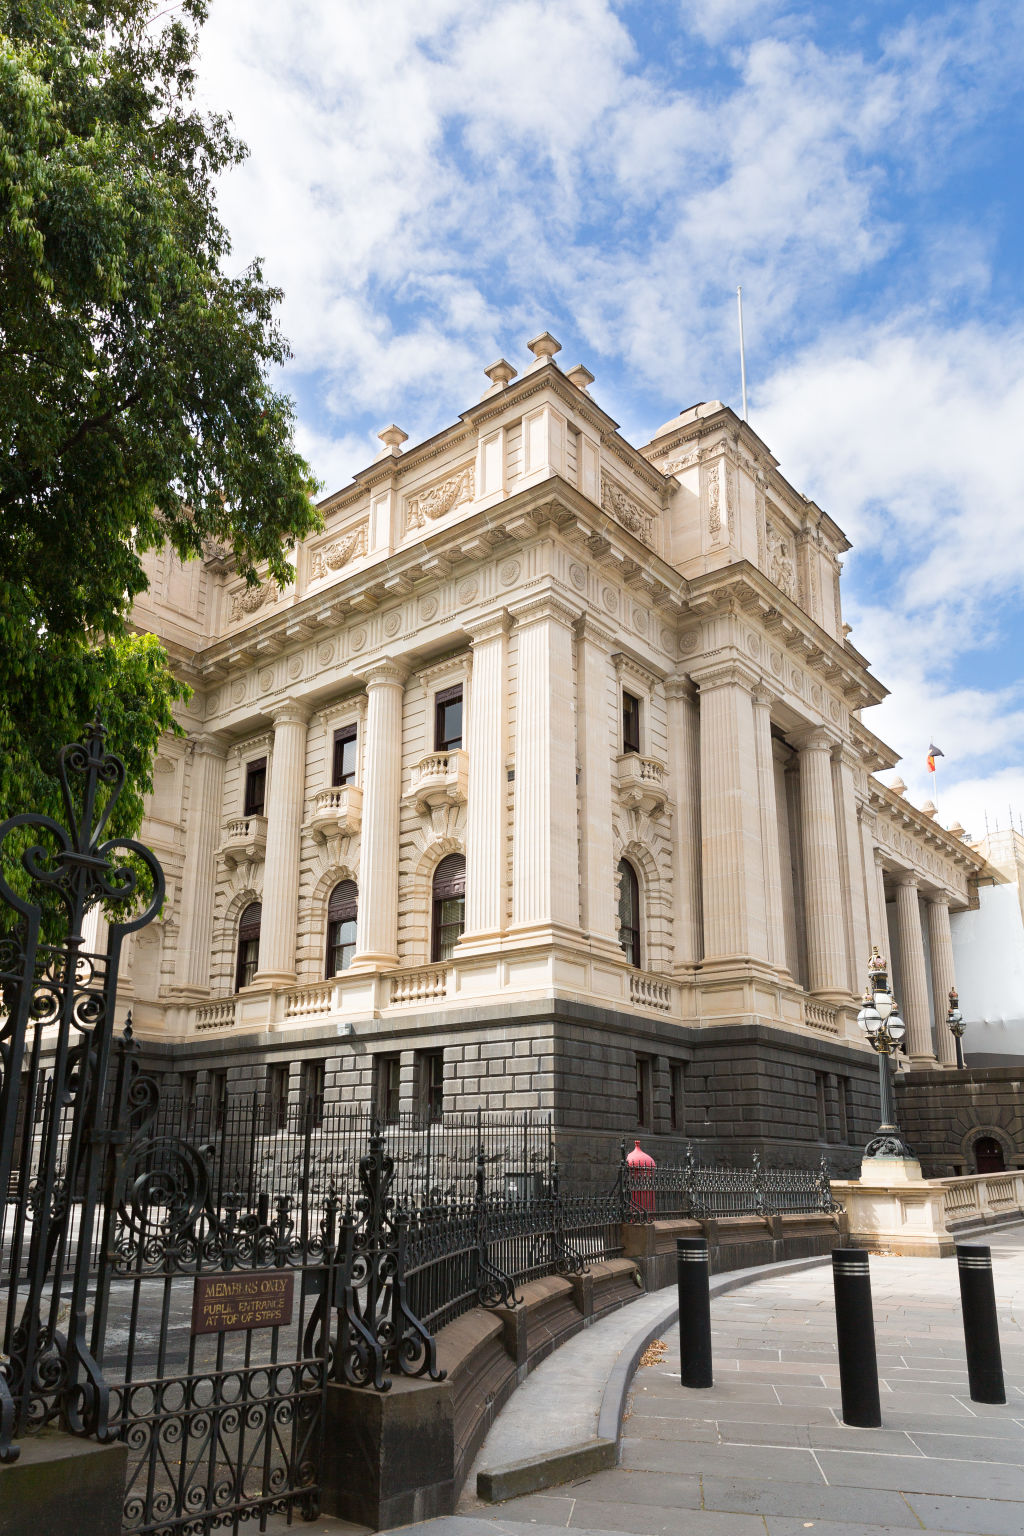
136	396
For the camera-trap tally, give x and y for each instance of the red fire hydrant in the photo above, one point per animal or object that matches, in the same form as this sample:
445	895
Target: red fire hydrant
641	1178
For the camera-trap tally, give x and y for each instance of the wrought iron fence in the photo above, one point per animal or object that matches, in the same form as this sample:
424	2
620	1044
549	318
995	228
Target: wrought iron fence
691	1189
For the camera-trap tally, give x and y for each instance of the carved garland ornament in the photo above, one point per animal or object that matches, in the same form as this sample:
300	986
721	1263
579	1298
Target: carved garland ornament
333	556
781	566
250	599
626	511
442	498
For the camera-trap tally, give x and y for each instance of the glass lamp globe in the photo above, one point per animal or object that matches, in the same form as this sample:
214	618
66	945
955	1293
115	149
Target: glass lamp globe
955	1016
896	1026
884	1004
868	1018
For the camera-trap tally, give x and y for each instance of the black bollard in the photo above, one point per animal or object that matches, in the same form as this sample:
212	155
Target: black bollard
981	1327
692	1270
855	1331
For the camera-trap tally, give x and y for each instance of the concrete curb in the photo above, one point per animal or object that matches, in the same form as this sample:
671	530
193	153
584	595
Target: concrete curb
560	1466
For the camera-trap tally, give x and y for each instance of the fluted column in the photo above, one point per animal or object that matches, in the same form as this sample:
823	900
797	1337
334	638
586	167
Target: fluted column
731	857
762	701
916	1013
545	840
684	766
874	897
823	892
943	973
844	767
198	880
377	927
597	750
285	804
485	807
883	915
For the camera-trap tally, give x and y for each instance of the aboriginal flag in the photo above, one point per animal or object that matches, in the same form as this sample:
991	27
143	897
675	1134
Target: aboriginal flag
933	753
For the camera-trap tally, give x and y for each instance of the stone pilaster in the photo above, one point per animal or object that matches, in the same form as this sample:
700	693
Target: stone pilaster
206	804
878	859
485	807
762	701
844	767
684	766
874	898
285	804
377	931
943	973
823	892
545	841
916	1014
597	750
732	862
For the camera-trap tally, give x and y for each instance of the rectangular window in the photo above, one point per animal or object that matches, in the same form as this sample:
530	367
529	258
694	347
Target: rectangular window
188	1096
630	723
448	719
431	1084
218	1083
677	1098
820	1094
842	1087
275	1102
643	1091
344	767
255	787
389	1088
311	1089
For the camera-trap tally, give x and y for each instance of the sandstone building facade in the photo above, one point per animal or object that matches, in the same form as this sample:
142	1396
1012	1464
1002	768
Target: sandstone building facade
546	784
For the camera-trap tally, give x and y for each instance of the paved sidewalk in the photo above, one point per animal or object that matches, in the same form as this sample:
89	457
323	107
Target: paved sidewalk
764	1451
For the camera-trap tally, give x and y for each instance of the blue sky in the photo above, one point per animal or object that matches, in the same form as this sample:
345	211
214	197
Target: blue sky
432	183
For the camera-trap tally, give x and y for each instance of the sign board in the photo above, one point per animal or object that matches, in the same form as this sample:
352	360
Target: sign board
223	1303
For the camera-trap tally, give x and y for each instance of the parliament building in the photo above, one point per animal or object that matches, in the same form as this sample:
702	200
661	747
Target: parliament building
546	784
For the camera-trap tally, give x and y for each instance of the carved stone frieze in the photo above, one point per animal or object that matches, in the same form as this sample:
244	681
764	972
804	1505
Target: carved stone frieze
340	552
625	510
780	559
251	599
442	498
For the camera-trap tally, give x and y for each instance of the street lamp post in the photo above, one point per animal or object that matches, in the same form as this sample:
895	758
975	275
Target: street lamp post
880	1020
955	1020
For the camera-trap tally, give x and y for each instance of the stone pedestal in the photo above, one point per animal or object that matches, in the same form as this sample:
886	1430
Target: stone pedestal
892	1209
61	1483
389	1457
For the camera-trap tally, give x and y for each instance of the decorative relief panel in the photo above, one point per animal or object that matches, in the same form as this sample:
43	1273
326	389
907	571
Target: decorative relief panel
251	599
781	565
340	552
626	511
442	498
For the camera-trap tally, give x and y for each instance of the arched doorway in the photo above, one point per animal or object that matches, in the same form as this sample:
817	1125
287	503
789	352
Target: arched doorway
988	1155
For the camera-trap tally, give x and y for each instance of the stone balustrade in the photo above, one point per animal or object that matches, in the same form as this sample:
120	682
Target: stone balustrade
440	778
245	837
218	1015
641	783
314	1001
891	1209
650	991
817	1016
336	812
420	986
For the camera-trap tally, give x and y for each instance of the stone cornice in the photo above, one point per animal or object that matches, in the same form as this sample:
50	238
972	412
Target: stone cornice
544	605
883	800
488	626
727	673
593	626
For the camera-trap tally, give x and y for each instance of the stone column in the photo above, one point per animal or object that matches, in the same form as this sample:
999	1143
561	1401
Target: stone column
773	897
684	767
845	765
943	974
485	806
285	804
597	751
823	892
914	1001
731	857
545	841
874	898
198	880
377	929
883	915
787	787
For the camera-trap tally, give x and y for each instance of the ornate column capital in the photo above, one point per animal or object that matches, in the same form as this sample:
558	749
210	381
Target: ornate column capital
906	877
725	674
813	738
207	744
488	626
939	899
387	672
680	686
534	610
763	696
289	712
879	857
589	626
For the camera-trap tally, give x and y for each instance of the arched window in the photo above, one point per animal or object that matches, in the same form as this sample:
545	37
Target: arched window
248	946
629	912
448	908
341	927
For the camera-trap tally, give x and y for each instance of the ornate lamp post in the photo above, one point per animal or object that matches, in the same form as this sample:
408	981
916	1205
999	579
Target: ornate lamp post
955	1020
880	1019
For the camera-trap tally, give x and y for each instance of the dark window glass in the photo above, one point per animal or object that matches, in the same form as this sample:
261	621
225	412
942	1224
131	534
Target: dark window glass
629	912
842	1087
275	1102
449	906
820	1090
677	1100
448	719
630	723
248	946
389	1087
218	1099
344	771
643	1090
255	786
312	1092
341	927
432	1084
